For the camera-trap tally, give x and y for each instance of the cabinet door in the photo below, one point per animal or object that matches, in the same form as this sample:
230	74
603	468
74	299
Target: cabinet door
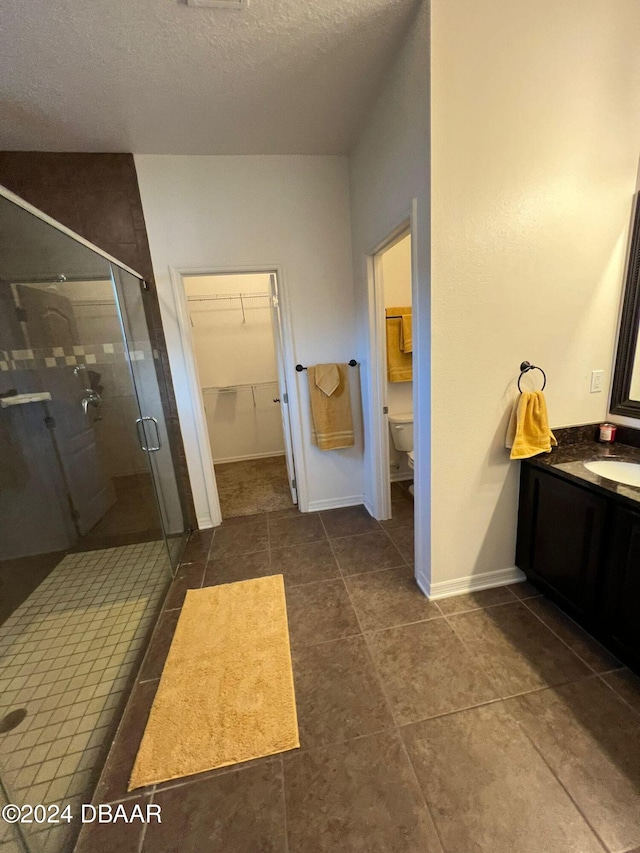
560	534
621	587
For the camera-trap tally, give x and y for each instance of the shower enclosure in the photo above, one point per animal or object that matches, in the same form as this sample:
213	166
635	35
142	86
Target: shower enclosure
91	519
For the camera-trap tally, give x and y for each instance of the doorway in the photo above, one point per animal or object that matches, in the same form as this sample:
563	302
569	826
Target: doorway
236	343
392	293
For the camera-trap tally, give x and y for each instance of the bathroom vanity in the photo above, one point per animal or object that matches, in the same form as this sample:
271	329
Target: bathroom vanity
579	539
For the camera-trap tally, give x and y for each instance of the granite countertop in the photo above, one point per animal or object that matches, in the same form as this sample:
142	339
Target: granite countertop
569	459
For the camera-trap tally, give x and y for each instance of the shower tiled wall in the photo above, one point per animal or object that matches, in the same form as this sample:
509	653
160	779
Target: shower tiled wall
97	196
26	359
118	443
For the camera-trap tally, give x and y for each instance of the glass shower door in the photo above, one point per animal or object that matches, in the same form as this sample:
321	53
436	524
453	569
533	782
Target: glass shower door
151	425
84	513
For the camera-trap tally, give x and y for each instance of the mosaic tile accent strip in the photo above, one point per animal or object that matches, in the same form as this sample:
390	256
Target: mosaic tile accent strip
32	359
66	656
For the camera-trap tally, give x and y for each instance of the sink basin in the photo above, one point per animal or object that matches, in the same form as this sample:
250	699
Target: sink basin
613	469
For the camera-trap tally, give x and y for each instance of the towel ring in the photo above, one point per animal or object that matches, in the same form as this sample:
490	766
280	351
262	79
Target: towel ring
525	367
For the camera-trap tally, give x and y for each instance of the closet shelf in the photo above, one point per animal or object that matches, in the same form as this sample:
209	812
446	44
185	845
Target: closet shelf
233	389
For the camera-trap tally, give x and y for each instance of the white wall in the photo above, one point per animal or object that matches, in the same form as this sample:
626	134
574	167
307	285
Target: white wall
263	211
236	360
634	391
233	341
535	129
389	169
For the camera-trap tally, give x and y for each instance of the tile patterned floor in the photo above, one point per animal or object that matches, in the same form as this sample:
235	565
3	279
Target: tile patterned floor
488	723
9	839
252	486
66	656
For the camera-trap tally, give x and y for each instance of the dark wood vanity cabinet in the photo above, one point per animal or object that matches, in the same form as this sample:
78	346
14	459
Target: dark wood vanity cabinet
620	611
582	549
560	537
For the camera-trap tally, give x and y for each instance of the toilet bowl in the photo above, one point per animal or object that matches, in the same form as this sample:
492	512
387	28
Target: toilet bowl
401	426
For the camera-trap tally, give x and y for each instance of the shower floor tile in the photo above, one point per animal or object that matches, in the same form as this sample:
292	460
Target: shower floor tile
66	657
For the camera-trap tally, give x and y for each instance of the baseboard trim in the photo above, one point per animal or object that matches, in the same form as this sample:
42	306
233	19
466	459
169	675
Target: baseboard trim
473	583
400	476
335	503
245	458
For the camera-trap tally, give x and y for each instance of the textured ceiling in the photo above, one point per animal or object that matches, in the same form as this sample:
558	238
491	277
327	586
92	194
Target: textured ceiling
156	76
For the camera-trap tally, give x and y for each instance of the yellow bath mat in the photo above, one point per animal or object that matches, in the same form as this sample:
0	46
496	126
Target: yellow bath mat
226	693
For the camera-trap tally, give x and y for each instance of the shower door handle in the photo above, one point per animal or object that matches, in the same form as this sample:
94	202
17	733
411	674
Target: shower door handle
142	435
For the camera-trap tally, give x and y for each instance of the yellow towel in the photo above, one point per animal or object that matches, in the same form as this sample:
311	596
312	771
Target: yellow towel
406	334
331	420
399	360
528	432
327	378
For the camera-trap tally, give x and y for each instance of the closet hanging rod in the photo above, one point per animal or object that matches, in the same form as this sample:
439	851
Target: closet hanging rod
300	368
216	296
225	389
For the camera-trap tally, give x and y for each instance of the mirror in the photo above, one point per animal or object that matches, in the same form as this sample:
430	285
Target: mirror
625	394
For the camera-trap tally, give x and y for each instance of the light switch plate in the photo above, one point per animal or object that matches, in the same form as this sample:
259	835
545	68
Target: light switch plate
597	377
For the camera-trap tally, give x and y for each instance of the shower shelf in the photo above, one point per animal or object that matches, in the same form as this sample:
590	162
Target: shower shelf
22	399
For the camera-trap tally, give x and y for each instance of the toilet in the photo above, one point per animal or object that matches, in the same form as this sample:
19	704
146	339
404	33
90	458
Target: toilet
401	425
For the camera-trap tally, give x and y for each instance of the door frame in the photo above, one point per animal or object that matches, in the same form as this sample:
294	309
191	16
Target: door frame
285	410
197	413
405	225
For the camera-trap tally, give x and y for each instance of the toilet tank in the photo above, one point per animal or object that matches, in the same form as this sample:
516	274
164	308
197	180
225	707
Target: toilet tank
401	425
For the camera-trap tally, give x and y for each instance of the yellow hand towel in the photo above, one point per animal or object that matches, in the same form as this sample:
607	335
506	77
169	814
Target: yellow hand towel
406	334
528	432
331	419
327	378
399	362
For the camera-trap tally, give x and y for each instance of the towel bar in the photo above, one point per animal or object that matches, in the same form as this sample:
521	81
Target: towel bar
525	367
300	368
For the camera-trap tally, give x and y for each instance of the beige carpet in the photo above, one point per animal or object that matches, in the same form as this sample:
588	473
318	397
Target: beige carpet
226	693
252	486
